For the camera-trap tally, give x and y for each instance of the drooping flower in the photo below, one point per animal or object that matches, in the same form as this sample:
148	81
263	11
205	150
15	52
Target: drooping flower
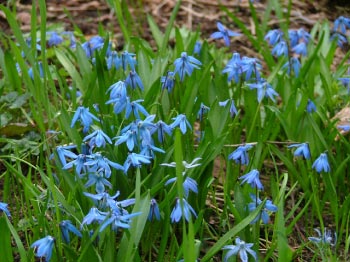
133	80
341	24
274	36
302	150
281	48
55	39
3	208
240	155
128	59
324	239
252	178
203	109
43	247
162	129
97	138
300	49
189	184
85	117
233	109
94	215
185	65
310	106
321	164
168	81
118	218
154	212
293	64
113	60
135	160
264	89
242	248
182	122
185	211
263	215
224	33
251	66
66	226
65	151
234	68
197	48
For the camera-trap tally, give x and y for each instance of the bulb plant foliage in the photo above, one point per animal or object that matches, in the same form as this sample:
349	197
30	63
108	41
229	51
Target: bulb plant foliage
189	152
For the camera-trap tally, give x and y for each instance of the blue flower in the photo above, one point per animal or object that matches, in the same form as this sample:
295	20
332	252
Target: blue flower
128	59
197	48
185	65
97	138
95	43
135	160
321	164
118	218
240	155
264	89
168	81
252	178
345	82
234	68
162	129
344	128
133	80
303	35
224	33
64	151
85	117
189	184
341	24
102	164
79	164
41	71
300	49
250	66
341	39
301	150
113	60
292	64
264	216
55	39
273	36
130	137
310	106
203	109
154	212
182	122
233	109
293	37
94	215
43	247
240	248
324	239
185	211
118	91
135	107
98	179
66	226
281	48
3	208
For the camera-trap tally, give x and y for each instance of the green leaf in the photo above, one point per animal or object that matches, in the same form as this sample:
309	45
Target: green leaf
157	34
231	233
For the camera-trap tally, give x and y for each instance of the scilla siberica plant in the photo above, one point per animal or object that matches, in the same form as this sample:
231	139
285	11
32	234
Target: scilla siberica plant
124	142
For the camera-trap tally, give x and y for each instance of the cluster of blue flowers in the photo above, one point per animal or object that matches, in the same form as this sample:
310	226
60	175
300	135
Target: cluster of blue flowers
143	134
